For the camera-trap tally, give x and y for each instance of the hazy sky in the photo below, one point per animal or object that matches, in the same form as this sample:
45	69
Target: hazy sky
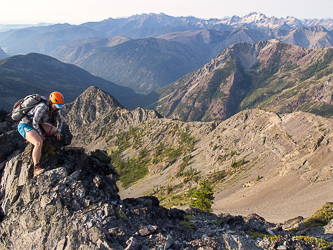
80	11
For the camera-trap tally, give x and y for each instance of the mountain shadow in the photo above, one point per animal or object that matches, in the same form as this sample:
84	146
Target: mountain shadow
36	73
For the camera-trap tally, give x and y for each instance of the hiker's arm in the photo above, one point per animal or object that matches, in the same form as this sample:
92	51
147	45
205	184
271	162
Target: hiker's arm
39	113
59	122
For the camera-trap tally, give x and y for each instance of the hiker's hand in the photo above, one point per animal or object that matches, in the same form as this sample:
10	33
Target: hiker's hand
57	135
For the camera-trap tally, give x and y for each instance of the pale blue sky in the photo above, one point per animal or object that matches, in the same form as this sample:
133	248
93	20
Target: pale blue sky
80	11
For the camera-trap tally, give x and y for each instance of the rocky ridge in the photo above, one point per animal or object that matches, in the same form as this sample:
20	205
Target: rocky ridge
120	60
245	157
259	20
74	204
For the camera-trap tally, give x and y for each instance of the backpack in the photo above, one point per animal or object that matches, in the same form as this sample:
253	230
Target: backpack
24	105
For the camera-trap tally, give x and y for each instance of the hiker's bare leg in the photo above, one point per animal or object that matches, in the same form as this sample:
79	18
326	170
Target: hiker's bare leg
50	130
35	139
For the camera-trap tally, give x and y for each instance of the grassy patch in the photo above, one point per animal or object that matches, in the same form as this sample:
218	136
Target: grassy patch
322	244
217	176
324	109
187	224
317	242
132	169
321	217
256	235
170	199
237	164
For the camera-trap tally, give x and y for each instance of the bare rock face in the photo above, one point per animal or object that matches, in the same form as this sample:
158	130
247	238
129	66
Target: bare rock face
40	212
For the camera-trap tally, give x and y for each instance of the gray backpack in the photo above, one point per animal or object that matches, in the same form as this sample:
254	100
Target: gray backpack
24	105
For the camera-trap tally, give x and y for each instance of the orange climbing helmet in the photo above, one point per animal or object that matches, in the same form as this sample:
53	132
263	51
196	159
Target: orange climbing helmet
57	99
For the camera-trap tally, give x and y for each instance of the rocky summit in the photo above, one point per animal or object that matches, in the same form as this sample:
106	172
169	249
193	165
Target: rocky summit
74	204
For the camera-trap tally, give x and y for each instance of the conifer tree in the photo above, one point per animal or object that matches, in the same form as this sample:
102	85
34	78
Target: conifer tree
203	198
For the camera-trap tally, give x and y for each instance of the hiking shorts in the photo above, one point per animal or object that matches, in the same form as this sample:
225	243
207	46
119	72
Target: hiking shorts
23	128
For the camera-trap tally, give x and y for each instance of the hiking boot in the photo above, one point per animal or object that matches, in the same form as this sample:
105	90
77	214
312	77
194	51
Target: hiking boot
38	169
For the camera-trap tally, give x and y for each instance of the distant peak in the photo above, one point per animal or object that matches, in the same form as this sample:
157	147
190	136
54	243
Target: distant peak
95	94
256	14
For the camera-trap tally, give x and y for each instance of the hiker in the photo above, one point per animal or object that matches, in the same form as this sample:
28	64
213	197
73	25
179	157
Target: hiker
33	126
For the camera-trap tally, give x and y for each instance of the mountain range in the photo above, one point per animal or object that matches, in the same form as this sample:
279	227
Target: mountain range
6	27
270	75
170	47
242	150
172	55
261	21
44	39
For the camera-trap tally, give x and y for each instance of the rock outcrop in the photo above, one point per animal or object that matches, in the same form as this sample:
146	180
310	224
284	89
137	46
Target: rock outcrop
56	208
